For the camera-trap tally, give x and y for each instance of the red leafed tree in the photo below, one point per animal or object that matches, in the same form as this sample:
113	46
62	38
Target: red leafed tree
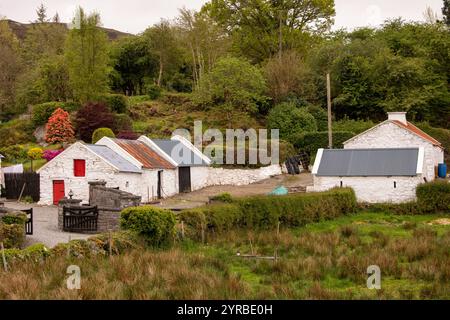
59	128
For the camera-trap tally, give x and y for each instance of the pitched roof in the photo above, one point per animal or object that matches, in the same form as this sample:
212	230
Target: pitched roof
114	158
409	126
180	153
144	154
412	128
369	162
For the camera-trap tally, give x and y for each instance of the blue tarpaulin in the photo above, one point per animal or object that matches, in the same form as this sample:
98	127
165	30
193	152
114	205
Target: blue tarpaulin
279	191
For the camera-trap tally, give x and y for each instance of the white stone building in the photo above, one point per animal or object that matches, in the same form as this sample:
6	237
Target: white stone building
376	175
394	136
397	132
159	174
1	174
79	164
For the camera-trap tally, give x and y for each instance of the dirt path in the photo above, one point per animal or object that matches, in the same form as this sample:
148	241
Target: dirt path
200	197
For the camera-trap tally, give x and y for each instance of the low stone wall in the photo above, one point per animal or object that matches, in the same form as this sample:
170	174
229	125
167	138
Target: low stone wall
240	177
109	201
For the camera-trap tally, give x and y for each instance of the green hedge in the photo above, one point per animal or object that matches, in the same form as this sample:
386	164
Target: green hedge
312	141
264	212
102	132
156	225
434	197
35	252
12	230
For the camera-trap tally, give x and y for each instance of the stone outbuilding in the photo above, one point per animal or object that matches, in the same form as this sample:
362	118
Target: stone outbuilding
382	164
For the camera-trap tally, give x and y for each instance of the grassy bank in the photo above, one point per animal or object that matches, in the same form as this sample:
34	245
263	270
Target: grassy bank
323	260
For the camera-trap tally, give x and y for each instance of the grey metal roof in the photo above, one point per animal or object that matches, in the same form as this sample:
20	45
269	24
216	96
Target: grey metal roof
369	162
182	155
114	158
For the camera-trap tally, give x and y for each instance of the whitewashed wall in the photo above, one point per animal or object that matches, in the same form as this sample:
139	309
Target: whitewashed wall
240	177
390	135
61	168
199	177
373	189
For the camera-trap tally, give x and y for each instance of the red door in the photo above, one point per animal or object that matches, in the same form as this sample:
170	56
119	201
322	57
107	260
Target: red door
58	191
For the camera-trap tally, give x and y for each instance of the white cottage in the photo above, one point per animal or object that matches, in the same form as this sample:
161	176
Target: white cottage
159	174
382	164
1	175
81	163
397	132
376	175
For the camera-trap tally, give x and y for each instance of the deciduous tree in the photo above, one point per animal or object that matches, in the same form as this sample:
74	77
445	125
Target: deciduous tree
59	128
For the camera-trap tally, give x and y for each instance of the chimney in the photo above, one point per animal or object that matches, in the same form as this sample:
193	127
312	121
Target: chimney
399	116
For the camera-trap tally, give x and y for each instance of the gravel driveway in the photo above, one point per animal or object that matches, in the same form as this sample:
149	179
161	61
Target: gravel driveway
45	225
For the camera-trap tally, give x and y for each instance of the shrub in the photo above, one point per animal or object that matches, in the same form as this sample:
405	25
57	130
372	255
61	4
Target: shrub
50	154
15	132
35	153
59	128
116	102
350	125
35	252
223	197
265	212
127	135
312	141
14	153
123	122
92	116
153	91
290	120
12	230
14	218
321	116
434	196
42	112
156	225
102	132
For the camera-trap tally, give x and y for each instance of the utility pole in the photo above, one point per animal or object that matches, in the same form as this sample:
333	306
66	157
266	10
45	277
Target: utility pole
330	133
280	37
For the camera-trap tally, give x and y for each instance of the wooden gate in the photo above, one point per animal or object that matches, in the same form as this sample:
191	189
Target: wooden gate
29	223
184	179
80	218
22	184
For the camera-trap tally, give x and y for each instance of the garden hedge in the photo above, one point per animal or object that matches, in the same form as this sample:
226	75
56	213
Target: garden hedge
42	112
156	225
434	197
312	141
264	212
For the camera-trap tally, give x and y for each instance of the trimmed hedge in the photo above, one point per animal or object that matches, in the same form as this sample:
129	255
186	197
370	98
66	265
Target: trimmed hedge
102	132
312	141
434	197
264	212
156	225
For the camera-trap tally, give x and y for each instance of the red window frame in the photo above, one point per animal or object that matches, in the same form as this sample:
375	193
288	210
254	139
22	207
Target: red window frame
79	168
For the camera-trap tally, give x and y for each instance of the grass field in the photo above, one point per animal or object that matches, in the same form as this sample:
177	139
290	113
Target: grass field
325	260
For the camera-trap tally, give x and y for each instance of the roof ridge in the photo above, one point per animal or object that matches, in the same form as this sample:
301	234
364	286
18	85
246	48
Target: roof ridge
417	131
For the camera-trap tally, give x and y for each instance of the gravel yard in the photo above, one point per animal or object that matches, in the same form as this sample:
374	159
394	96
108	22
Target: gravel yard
45	225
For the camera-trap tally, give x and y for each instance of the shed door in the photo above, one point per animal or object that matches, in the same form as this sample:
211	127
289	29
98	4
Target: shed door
184	179
58	191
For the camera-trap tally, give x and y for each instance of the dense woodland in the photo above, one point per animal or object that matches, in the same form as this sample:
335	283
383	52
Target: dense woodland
234	63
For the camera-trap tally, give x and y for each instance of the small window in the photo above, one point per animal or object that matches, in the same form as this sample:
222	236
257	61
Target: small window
79	168
341	184
395	184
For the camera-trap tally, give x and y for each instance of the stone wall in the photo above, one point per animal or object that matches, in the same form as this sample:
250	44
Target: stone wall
109	201
373	189
240	177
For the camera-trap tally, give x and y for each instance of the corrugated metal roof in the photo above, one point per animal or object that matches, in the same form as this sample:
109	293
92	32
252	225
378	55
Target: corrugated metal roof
114	158
179	152
369	162
412	128
144	154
